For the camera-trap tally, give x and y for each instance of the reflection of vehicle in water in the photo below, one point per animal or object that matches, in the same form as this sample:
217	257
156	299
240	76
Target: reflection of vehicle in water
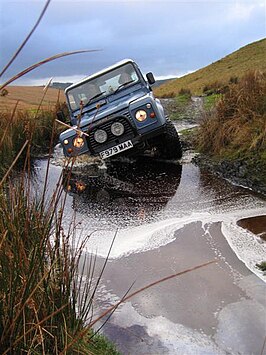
138	187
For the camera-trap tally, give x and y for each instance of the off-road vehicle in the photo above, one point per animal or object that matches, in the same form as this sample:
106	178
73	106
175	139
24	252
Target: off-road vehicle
114	112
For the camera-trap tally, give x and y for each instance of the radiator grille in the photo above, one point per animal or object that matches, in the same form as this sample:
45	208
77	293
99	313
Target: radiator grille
111	140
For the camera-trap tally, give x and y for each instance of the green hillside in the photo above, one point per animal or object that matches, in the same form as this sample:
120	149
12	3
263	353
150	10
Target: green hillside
235	65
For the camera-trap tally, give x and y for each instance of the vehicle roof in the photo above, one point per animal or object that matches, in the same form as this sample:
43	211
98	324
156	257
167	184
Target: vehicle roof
124	61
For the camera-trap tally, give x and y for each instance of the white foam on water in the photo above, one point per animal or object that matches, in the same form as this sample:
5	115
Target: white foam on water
175	337
139	239
157	234
245	245
241	327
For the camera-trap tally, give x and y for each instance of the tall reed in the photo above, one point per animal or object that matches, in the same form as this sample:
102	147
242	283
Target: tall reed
46	291
18	126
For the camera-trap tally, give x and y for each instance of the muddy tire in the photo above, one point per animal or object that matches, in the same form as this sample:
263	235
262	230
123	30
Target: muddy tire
168	144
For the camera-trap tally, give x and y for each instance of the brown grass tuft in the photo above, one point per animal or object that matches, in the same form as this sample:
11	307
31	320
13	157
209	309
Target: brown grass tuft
238	123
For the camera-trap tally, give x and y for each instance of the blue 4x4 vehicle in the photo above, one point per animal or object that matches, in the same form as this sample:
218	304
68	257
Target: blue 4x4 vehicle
115	112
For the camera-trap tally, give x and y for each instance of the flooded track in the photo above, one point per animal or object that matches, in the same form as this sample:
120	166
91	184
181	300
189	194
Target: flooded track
170	217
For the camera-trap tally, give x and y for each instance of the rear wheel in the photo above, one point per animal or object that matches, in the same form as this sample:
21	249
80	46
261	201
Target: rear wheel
168	144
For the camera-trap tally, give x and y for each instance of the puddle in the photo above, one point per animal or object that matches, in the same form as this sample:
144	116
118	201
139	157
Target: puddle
256	225
168	217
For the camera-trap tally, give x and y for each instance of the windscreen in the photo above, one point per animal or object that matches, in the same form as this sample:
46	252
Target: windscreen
99	87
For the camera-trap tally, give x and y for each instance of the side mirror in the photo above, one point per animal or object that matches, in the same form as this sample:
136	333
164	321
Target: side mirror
61	116
150	78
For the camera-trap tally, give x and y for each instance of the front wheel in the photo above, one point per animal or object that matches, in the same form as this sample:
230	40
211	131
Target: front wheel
168	144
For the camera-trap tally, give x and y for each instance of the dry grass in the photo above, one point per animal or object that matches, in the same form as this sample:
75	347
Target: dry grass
231	67
29	97
238	123
16	128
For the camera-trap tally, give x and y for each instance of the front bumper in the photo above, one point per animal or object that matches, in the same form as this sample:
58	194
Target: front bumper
137	136
138	140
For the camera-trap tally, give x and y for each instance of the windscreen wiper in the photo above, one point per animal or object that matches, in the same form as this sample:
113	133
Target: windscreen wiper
94	97
122	85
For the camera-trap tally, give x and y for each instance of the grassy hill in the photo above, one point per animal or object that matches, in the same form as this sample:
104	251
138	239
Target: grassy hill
29	97
161	82
233	65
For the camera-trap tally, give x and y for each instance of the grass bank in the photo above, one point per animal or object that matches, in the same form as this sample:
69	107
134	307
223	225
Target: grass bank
233	132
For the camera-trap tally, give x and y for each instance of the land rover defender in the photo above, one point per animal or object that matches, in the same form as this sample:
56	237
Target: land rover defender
115	112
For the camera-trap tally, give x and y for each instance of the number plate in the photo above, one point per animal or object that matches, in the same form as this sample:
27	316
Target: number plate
116	149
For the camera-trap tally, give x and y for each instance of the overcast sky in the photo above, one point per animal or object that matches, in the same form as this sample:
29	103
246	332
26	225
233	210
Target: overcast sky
169	38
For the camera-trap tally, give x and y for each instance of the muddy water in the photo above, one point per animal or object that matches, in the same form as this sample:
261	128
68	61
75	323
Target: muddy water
169	217
256	225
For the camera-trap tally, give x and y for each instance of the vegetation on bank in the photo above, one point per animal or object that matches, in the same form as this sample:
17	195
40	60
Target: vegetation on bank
210	101
178	106
235	130
237	125
223	72
36	126
262	266
45	300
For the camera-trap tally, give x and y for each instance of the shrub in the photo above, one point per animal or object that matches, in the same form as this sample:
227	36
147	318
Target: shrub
168	95
186	92
238	122
233	80
35	278
210	101
213	88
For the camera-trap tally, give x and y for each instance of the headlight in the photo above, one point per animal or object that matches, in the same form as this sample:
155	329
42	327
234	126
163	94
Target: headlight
78	142
117	129
141	115
100	136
